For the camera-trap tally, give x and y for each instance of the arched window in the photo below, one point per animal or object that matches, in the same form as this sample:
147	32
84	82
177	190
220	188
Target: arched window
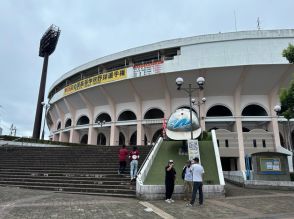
154	114
156	135
101	139
58	125
84	120
103	117
68	123
254	110
122	139
282	141
218	110
127	115
244	129
133	139
84	139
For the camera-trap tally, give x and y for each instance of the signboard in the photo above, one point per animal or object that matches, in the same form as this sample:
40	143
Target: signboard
97	79
179	125
147	69
270	165
193	149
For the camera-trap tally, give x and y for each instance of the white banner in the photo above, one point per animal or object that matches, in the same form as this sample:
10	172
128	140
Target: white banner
193	149
147	69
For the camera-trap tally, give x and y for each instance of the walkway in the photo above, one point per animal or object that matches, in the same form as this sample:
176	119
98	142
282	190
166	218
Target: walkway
239	203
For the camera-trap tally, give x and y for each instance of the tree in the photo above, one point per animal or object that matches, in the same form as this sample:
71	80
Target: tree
287	95
288	53
287	101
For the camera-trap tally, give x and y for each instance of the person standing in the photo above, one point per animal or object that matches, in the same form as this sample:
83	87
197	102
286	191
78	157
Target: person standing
123	153
188	181
170	178
134	157
197	172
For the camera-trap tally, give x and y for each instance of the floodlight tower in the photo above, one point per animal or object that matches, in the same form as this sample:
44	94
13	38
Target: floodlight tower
48	44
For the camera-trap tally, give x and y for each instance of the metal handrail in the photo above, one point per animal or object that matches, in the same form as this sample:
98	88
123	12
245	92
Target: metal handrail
139	171
139	175
12	141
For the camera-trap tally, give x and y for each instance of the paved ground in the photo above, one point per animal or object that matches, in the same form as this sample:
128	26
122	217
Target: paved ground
239	203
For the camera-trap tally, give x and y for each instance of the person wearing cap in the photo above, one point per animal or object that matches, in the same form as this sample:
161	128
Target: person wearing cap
170	177
188	181
197	173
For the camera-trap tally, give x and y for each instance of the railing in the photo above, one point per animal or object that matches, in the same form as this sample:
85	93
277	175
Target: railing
141	176
14	140
217	157
37	141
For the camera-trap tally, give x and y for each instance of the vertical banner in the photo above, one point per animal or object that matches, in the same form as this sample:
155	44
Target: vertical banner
164	128
193	149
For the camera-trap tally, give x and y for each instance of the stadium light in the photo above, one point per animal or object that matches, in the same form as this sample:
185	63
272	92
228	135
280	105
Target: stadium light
48	44
200	86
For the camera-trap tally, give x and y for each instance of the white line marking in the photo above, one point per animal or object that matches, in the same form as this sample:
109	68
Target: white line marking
157	210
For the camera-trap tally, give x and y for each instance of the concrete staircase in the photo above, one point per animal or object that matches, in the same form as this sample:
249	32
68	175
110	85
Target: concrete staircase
80	169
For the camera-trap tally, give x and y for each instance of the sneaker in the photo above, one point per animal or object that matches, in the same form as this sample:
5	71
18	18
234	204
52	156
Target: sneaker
168	201
171	200
189	205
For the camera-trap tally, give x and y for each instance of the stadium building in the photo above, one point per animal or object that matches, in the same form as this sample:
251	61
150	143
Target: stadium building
126	97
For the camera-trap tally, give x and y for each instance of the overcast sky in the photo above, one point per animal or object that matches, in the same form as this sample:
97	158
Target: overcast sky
94	28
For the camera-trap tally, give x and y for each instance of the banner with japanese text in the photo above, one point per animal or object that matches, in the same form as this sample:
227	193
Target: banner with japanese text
97	79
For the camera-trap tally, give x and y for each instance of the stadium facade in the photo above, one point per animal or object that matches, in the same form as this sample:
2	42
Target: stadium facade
125	97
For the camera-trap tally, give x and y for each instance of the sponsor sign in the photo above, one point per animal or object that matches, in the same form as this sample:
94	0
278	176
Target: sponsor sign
193	149
147	69
97	79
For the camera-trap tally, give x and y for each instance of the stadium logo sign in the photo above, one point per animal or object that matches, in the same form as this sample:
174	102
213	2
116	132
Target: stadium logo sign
179	125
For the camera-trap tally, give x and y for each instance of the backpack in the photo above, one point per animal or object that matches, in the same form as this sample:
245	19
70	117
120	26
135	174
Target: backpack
184	172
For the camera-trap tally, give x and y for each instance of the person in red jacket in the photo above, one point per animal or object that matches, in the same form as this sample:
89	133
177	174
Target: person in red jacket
123	153
134	157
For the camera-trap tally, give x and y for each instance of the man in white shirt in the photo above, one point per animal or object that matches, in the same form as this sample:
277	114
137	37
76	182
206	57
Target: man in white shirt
197	172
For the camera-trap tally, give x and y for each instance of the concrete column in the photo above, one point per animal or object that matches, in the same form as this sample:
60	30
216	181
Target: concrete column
241	163
237	102
62	137
74	136
92	135
55	137
167	97
114	135
140	133
274	126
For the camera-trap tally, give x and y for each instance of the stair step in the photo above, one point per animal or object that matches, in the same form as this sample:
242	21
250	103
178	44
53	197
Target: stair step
79	170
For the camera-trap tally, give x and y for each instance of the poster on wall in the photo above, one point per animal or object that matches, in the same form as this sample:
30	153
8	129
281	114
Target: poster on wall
270	165
147	69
